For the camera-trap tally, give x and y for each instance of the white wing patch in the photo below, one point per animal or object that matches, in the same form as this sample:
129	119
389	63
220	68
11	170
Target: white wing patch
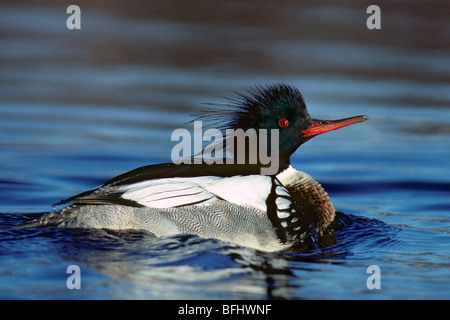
244	190
174	192
167	193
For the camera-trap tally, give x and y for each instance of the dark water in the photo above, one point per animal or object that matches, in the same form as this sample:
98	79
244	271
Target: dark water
78	107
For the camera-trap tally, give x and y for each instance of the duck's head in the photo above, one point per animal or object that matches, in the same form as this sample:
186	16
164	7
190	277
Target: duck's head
277	107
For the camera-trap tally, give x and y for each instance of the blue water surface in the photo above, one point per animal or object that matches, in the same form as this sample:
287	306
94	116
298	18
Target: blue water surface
78	107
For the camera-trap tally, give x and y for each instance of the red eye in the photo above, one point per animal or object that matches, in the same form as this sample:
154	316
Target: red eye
283	123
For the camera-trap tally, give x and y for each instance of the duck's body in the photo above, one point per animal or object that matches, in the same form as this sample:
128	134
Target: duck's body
269	214
229	202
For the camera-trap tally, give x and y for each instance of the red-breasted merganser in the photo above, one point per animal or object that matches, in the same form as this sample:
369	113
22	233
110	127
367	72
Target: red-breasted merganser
229	202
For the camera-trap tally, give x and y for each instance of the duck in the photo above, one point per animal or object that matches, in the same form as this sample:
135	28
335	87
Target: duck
231	199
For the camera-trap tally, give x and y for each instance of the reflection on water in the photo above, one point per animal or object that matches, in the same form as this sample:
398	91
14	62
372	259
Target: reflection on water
186	266
79	107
